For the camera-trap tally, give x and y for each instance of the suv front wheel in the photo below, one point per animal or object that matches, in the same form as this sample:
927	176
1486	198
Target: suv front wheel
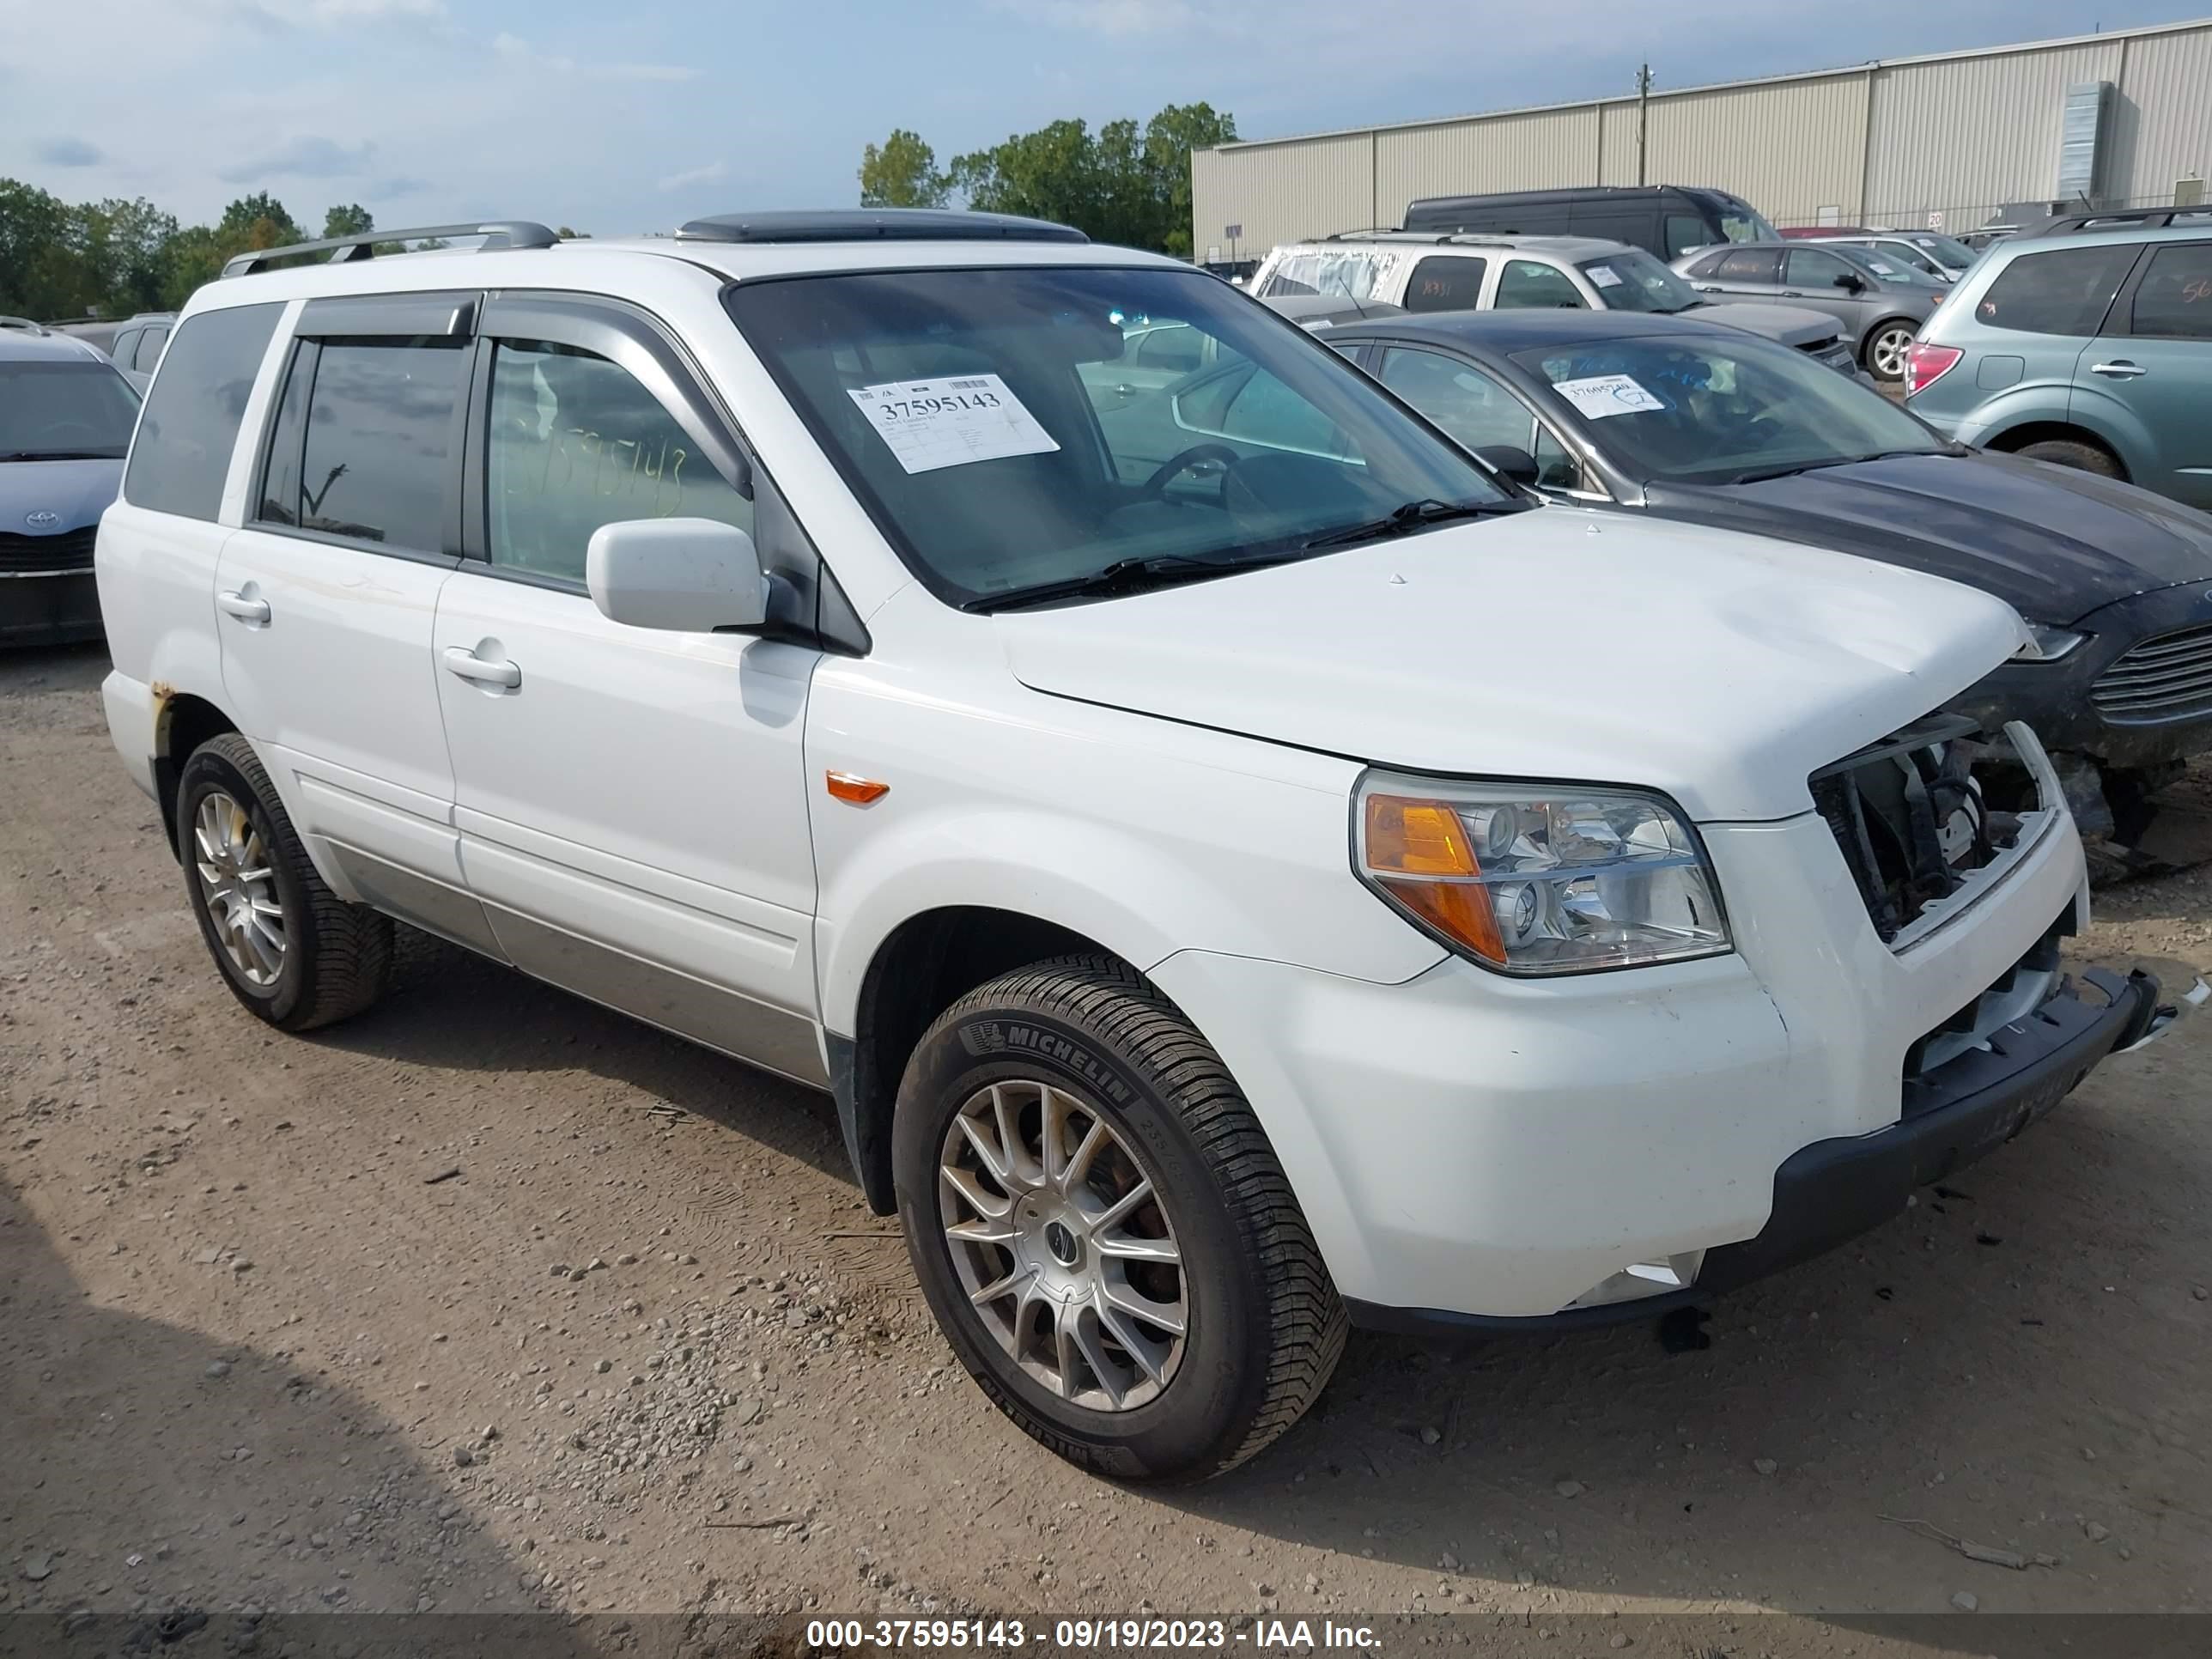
1102	1229
291	950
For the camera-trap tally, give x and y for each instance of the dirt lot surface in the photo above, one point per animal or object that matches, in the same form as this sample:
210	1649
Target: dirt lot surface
492	1300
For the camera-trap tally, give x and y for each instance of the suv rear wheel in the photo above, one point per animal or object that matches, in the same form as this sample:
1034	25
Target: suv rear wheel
1102	1229
2068	451
289	949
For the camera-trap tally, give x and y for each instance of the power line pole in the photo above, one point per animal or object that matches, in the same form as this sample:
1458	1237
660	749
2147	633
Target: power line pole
1642	114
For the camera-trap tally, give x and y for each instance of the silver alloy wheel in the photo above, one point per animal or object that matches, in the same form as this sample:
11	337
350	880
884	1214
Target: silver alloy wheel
1888	352
238	888
1058	1233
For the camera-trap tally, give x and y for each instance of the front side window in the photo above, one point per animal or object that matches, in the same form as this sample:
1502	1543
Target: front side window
2062	291
1713	409
69	410
1526	283
1467	403
126	344
1174	349
1445	281
182	455
962	407
378	446
575	442
1684	231
2174	299
1632	280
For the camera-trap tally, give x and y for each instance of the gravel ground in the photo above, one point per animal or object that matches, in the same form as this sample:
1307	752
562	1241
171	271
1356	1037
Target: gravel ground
491	1300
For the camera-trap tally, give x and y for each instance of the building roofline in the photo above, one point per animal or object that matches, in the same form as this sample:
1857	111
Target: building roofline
1867	67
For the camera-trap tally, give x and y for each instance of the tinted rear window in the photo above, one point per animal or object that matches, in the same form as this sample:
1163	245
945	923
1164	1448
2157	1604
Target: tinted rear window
2064	291
191	424
1445	281
380	424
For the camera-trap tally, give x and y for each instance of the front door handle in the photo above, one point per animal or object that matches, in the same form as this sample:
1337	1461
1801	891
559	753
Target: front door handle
247	610
2119	369
469	666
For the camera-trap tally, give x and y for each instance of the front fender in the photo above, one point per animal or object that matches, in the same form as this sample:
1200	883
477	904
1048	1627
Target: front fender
1145	836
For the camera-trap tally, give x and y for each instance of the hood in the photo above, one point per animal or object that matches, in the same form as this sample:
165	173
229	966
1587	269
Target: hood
1790	325
2052	542
79	491
1601	648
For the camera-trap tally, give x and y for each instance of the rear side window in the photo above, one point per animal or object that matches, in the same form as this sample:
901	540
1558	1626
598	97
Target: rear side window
1445	283
149	350
125	343
182	455
381	417
2174	299
2064	291
1751	265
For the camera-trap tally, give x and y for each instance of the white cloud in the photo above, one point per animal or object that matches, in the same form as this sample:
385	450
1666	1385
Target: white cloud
517	51
700	175
70	153
333	14
1114	17
307	156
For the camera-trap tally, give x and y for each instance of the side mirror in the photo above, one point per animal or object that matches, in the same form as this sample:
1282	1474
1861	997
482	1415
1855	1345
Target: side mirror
1510	462
687	575
1849	283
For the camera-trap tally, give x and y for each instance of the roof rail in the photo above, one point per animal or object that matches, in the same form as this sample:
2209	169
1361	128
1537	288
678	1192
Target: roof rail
23	324
876	224
343	250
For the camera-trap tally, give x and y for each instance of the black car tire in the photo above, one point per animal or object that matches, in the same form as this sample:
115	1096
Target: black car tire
2068	451
336	956
1264	1325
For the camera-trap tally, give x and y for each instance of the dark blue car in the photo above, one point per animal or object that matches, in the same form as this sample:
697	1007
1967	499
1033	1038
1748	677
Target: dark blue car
66	414
1680	418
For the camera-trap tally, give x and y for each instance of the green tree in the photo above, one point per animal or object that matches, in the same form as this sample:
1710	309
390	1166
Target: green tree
349	219
568	236
1169	137
901	172
34	242
258	221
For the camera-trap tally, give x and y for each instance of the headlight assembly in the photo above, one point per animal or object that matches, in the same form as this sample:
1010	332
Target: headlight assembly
1533	879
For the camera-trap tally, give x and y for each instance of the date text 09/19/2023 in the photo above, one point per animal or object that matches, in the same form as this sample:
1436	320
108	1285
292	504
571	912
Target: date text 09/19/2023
1078	1635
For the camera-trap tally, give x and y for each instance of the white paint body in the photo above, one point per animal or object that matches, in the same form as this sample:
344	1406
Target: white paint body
1171	775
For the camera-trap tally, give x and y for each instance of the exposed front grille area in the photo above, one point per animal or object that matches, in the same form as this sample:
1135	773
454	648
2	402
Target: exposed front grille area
1910	817
2017	996
70	550
2167	678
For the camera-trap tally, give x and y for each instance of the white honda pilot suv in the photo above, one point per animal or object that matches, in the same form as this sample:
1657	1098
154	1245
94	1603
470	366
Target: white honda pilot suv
1243	870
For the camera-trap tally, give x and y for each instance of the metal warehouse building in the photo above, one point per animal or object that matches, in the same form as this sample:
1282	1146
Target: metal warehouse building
1891	142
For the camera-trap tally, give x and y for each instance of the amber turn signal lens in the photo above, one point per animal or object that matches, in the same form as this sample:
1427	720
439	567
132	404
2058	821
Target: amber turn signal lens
848	787
1419	852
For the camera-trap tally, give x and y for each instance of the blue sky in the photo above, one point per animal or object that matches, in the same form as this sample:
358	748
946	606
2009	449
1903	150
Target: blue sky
617	118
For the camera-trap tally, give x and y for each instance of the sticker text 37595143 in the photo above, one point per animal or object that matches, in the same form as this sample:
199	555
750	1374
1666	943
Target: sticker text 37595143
950	422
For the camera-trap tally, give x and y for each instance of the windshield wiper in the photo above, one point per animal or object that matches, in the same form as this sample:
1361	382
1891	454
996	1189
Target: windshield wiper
60	455
1415	515
1124	576
1760	474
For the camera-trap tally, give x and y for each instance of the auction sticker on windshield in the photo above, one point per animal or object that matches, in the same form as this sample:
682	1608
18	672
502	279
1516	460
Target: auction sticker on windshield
1599	395
1603	276
950	422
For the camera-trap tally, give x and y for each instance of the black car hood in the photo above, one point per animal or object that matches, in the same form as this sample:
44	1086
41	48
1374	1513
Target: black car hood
2052	542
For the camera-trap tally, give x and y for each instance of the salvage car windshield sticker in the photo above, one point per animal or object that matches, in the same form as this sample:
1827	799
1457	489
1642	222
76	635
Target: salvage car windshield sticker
1599	395
1603	276
952	421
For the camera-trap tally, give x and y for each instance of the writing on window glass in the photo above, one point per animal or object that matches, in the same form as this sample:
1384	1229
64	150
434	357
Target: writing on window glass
643	478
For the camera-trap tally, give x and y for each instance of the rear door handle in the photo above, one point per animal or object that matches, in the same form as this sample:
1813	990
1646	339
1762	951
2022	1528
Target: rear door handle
2120	369
237	604
469	666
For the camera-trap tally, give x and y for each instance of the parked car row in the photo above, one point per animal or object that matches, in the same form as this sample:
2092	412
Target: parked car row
1241	865
65	418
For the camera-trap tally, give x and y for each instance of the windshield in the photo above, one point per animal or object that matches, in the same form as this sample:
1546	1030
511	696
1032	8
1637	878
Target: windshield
1632	280
1948	250
1741	222
64	411
1705	409
1011	429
